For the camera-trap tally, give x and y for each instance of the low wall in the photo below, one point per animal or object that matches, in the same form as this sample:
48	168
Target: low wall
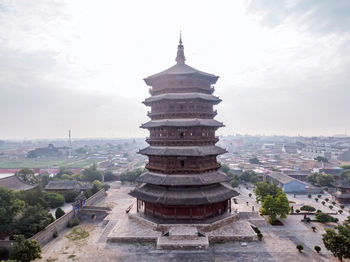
6	243
45	235
95	198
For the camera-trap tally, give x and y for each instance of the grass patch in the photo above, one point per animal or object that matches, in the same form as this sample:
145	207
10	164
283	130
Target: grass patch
50	259
77	234
71	256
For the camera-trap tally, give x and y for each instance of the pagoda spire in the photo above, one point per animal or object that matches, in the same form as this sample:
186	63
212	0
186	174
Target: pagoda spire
180	58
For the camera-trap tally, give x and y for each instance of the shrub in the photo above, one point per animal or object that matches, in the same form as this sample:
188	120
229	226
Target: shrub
326	199
300	247
313	228
309	196
323	202
55	234
331	207
308	220
308	208
316	199
297	211
317	249
342	206
318	211
59	212
340	211
106	187
235	201
73	222
319	196
324	218
250	194
333	203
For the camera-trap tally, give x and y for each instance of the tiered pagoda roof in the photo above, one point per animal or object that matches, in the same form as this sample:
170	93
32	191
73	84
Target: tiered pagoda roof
183	178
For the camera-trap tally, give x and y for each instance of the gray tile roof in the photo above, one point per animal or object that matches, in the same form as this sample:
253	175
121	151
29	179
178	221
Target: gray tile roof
15	183
181	69
182	150
282	178
182	96
183	179
67	185
183	122
184	195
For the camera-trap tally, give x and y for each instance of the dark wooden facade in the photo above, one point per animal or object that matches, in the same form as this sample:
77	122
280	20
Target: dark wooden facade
183	181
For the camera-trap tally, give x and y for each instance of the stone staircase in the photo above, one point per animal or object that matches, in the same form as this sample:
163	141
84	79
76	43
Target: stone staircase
183	238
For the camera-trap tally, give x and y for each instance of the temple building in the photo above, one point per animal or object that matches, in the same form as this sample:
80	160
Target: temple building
183	181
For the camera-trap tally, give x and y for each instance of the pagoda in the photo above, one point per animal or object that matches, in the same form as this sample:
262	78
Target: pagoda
183	181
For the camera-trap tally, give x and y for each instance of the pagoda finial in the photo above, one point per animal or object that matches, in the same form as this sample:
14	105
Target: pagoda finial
180	58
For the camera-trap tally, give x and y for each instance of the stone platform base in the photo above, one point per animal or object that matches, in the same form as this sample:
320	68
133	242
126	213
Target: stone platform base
184	244
180	236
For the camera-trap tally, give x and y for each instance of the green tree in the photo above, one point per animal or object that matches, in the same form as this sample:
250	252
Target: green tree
27	175
63	171
109	176
44	179
54	200
25	250
275	206
321	179
308	208
254	160
131	176
59	212
338	242
249	176
263	189
91	174
224	168
96	186
345	175
321	159
33	220
317	249
70	195
10	207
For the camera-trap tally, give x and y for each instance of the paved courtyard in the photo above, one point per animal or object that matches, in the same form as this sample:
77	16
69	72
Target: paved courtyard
279	242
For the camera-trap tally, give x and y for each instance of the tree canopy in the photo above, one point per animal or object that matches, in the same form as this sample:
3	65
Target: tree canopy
91	173
254	160
338	241
10	207
321	159
263	189
321	179
34	219
131	176
275	206
25	250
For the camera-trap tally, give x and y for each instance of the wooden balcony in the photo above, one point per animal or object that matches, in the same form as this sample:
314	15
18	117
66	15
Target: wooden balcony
190	141
181	170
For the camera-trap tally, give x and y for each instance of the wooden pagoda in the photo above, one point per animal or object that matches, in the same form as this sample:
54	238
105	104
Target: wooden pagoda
183	181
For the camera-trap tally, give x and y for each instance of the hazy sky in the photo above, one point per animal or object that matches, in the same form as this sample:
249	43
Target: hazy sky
284	66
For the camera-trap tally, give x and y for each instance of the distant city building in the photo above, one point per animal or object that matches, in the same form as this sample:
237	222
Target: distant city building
287	183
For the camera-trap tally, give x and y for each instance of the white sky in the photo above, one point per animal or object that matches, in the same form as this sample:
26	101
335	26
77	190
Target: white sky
283	65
